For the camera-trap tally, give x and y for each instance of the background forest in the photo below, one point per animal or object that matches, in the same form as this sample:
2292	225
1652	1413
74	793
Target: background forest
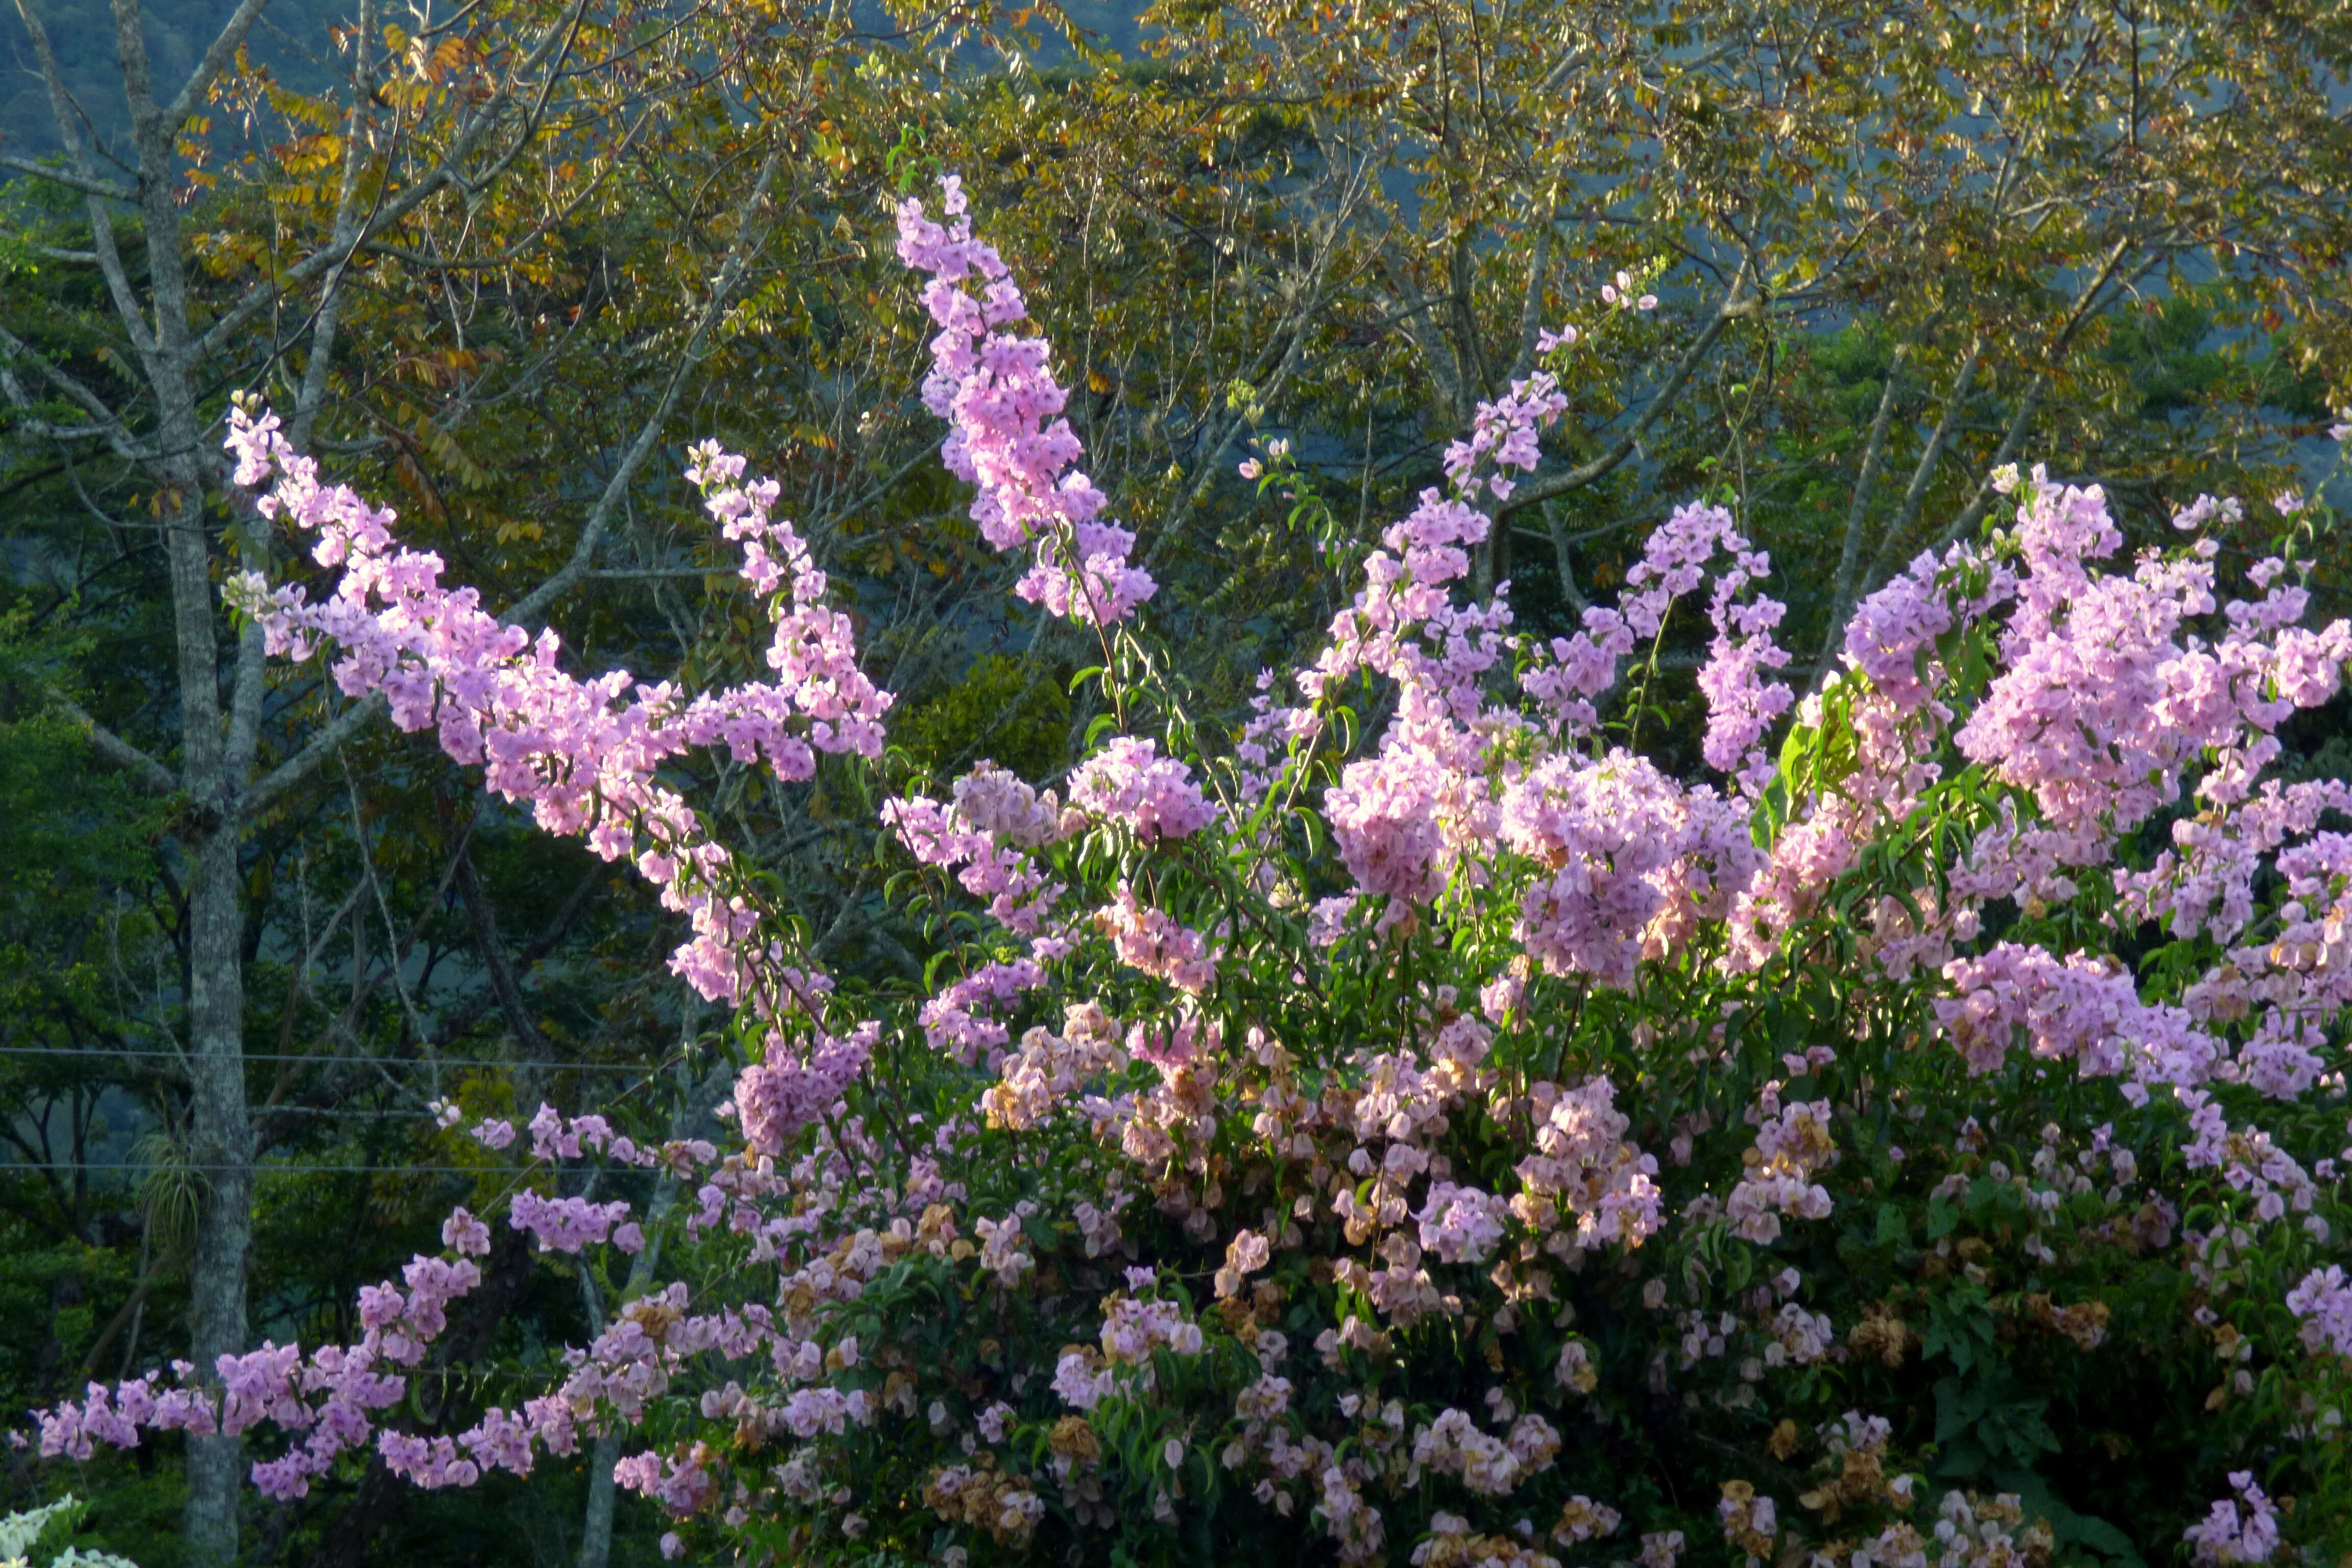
502	263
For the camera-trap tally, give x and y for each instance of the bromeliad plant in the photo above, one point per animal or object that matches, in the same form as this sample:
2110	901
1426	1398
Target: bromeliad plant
1410	1124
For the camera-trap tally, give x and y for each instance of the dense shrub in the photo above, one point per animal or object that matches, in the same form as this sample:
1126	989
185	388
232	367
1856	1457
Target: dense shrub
1409	1125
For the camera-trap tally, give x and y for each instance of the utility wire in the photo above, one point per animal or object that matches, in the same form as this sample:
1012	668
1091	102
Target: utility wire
308	1170
325	1061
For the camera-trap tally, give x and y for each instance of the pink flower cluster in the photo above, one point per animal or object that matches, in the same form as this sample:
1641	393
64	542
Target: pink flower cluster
1741	702
2323	1301
1133	1330
1488	1466
1404	625
1792	1144
2078	1010
569	1224
1506	432
1130	782
1892	637
1630	860
1584	1170
1460	1225
1048	1070
1007	436
679	1481
989	853
1147	939
583	755
2232	1533
957	1021
1273	735
795	1084
331	1396
2107	696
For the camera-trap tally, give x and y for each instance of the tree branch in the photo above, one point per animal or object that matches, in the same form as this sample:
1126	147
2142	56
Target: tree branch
1531	303
306	761
739	261
108	424
1849	552
223	49
1916	491
1975	509
1418	318
1285	346
67	115
503	983
55	175
323	320
388	212
154	775
131	41
1738	305
2032	401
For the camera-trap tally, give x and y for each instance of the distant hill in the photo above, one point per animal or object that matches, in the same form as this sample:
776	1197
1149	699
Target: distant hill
291	38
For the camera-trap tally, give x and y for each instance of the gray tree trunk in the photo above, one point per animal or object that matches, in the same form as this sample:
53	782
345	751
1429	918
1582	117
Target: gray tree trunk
222	1143
596	1534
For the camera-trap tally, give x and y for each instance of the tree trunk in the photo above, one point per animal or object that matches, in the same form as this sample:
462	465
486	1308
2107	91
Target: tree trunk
596	1531
217	766
221	1146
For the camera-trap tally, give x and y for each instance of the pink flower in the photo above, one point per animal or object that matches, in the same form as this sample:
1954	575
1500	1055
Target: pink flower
1007	436
584	756
462	1233
1129	782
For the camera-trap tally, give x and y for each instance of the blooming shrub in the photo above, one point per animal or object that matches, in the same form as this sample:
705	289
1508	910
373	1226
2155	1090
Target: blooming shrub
1412	1126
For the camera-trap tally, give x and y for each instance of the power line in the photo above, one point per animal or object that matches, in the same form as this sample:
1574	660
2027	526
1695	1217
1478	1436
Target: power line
395	1113
409	1113
305	1170
325	1061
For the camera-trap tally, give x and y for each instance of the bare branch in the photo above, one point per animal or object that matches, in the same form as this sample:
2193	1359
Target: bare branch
152	775
1556	529
324	319
1418	318
263	295
1558	74
1930	454
388	211
69	118
105	421
748	234
1974	511
1849	552
2032	401
1531	303
1737	305
1289	342
266	792
222	51
72	182
130	38
50	431
493	950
